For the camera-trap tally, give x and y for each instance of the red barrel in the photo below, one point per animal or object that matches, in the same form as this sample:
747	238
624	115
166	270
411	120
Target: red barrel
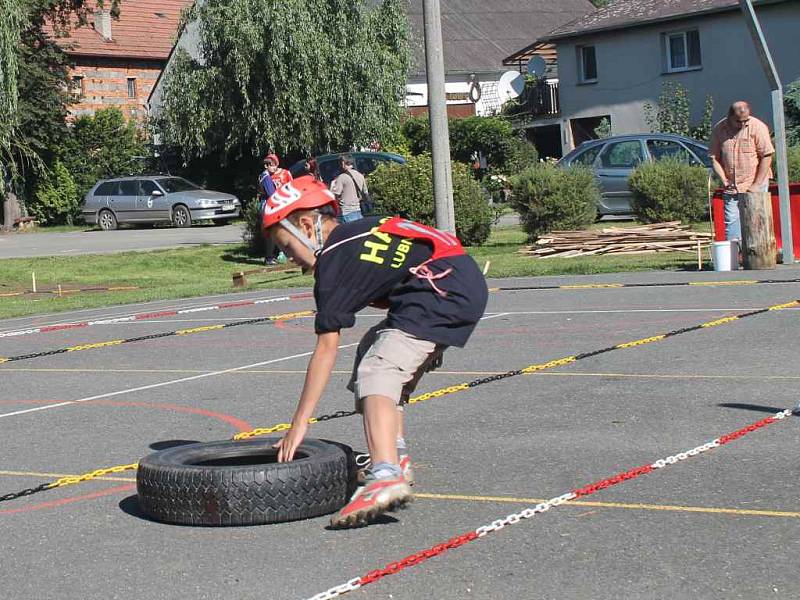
718	209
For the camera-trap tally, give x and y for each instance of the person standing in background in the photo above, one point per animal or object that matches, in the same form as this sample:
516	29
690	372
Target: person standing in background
741	152
312	168
349	187
280	177
266	187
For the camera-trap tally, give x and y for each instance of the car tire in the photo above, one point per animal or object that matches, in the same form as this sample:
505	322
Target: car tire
107	221
240	483
181	217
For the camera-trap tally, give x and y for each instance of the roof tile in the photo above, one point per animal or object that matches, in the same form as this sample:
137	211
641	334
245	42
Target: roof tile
145	29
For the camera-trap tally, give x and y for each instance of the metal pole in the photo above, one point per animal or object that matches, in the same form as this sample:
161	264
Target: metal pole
437	108
779	122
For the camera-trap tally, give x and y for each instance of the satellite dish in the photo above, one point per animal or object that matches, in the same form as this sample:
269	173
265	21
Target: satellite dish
510	86
537	66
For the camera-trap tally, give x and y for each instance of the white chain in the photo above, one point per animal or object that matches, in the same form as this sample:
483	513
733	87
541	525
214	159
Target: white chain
337	591
528	513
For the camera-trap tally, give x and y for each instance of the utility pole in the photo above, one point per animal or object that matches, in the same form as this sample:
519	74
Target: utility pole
437	110
779	123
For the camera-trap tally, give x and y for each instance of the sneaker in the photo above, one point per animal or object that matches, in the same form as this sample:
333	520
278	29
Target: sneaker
364	462
374	498
270	262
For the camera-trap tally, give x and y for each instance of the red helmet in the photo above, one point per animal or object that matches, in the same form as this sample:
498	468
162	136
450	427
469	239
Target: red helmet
304	193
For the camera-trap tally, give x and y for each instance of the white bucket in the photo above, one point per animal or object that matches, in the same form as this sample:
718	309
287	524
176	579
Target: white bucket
721	255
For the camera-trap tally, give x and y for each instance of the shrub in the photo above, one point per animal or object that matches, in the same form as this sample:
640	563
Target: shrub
550	198
253	234
55	200
522	155
408	190
669	190
794	164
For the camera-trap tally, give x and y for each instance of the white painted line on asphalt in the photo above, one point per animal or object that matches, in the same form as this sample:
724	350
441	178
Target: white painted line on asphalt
631	310
103	314
490	316
163	384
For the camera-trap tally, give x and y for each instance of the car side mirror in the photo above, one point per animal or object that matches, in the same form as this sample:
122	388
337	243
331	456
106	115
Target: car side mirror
157	193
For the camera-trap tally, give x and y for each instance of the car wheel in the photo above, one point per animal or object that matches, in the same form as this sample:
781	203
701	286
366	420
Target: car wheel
107	221
181	217
241	483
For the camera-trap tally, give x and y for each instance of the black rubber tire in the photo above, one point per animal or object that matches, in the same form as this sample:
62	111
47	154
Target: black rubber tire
181	216
107	220
179	486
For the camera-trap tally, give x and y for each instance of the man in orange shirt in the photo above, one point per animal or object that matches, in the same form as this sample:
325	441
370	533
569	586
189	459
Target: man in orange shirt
741	152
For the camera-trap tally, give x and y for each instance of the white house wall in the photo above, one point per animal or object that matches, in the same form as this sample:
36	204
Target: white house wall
417	92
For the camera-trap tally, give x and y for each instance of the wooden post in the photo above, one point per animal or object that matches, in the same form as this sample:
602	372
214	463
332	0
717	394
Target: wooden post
758	246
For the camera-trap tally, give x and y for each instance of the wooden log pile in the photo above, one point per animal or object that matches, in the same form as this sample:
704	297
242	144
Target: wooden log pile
642	239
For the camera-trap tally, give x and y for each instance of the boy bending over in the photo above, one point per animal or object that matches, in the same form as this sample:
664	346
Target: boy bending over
435	295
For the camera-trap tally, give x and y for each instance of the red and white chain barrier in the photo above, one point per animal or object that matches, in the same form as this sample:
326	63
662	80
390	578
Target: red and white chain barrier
154	315
528	513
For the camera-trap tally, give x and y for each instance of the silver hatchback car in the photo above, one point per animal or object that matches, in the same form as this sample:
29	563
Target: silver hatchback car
156	199
614	159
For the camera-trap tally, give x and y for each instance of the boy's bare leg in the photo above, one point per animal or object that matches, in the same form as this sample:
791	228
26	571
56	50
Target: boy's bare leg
381	425
400	431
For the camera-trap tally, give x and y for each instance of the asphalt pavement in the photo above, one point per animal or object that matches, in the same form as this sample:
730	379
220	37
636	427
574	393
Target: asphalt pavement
95	241
725	524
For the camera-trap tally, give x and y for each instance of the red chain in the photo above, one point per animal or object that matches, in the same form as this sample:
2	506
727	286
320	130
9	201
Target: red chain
460	540
745	430
417	558
606	483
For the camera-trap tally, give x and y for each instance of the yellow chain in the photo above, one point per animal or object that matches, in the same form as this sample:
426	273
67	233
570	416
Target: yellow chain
262	431
64	481
199	329
439	393
650	340
3	360
292	315
787	305
93	346
550	365
719	322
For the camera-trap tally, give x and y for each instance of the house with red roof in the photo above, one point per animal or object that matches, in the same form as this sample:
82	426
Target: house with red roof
117	61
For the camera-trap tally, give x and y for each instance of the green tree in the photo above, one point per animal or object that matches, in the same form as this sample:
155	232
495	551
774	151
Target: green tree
34	84
672	113
492	137
791	102
103	145
289	75
10	32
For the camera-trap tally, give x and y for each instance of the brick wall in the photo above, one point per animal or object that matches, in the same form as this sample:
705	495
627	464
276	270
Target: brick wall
104	83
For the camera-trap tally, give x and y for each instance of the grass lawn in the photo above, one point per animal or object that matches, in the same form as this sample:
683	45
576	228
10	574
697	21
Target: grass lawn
204	270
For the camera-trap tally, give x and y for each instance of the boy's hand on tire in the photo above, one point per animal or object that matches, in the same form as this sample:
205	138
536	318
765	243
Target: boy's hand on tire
291	441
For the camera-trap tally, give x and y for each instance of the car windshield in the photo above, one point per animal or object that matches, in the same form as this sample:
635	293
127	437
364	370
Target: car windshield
177	184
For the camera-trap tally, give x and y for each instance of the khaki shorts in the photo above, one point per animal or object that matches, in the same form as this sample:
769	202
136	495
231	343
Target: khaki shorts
390	362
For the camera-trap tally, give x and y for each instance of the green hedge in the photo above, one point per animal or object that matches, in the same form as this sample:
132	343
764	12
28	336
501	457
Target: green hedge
551	198
408	190
55	200
669	190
